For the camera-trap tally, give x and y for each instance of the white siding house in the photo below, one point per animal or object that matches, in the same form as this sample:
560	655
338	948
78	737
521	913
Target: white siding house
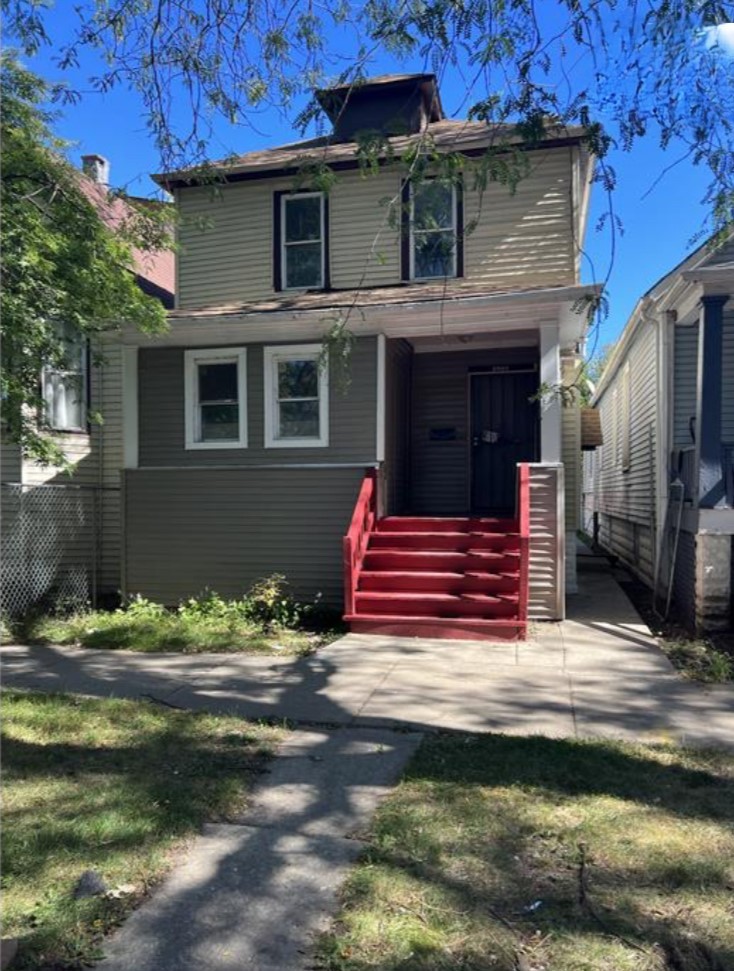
659	493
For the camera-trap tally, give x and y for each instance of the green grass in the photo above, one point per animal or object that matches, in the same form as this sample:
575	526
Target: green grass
170	632
113	786
699	659
475	862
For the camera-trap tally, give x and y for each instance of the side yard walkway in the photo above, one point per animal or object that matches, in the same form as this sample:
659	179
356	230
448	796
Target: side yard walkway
599	673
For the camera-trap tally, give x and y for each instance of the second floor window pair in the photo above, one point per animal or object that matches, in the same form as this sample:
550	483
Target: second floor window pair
430	225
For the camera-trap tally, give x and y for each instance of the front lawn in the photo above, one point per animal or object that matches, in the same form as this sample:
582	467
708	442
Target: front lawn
110	786
513	854
265	621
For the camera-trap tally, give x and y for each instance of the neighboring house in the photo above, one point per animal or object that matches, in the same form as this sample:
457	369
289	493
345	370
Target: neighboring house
61	533
666	400
245	456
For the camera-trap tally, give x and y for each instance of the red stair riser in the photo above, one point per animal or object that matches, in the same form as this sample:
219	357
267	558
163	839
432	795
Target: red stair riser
439	627
431	605
426	524
456	542
425	581
489	562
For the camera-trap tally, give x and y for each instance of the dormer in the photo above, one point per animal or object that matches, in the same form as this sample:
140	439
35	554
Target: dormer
394	104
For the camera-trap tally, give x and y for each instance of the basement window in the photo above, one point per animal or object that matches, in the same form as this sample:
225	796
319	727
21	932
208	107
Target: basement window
216	398
296	397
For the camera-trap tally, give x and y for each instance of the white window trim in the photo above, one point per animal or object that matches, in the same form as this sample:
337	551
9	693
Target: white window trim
284	199
453	229
216	355
83	376
298	352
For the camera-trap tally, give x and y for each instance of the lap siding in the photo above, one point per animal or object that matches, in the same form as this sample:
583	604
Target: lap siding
187	530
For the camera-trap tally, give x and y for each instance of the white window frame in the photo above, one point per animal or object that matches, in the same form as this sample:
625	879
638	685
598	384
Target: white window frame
294	352
284	200
82	376
216	355
454	221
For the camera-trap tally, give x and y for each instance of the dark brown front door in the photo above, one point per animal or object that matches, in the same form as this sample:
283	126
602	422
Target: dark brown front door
504	431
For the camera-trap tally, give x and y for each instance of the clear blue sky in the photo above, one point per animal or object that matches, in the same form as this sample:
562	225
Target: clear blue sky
660	213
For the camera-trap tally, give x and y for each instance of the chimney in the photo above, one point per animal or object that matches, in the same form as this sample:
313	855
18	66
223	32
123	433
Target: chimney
96	168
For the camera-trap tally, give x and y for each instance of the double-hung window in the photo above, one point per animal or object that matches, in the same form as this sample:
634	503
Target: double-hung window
216	398
433	230
64	384
302	241
296	397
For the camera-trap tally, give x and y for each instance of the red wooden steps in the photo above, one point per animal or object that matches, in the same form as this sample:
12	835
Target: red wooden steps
448	577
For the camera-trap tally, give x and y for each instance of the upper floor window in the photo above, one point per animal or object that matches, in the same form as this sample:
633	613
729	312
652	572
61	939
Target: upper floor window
216	398
64	386
296	397
434	230
302	233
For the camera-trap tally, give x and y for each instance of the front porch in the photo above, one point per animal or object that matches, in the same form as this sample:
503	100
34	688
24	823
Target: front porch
445	540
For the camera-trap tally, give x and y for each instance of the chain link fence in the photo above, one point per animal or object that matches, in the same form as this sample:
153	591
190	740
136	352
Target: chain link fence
49	547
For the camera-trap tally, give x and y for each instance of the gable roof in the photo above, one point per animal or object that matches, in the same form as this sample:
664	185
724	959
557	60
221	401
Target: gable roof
721	255
471	138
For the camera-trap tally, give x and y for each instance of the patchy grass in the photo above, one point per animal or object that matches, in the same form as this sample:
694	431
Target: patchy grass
112	786
170	632
709	659
265	621
699	659
514	854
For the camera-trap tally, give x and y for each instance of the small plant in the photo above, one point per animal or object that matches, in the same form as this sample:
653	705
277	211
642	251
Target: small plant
270	606
700	660
140	608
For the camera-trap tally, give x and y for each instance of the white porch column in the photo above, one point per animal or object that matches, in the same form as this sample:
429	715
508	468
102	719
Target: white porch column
551	404
130	407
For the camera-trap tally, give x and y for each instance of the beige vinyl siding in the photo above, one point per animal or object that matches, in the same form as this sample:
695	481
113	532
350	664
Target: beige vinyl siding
225	241
626	500
223	529
546	582
399	363
440	470
352	413
365	250
685	365
523	239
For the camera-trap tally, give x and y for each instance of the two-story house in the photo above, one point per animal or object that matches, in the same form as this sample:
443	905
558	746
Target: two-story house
245	449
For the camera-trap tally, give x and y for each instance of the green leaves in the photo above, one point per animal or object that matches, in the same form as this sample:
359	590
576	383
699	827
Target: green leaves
62	265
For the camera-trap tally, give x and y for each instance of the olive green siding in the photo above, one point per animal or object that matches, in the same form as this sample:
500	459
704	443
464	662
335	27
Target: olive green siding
513	240
223	529
352	413
440	470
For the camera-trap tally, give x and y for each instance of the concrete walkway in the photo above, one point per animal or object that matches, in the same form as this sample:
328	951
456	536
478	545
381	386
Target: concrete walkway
254	895
599	673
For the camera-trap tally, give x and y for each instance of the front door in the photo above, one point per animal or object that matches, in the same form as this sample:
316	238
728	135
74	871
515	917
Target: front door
504	431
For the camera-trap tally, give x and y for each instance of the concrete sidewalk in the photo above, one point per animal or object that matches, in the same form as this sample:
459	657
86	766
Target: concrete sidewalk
599	673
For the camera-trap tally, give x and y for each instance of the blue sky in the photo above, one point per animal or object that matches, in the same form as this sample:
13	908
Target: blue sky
661	211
